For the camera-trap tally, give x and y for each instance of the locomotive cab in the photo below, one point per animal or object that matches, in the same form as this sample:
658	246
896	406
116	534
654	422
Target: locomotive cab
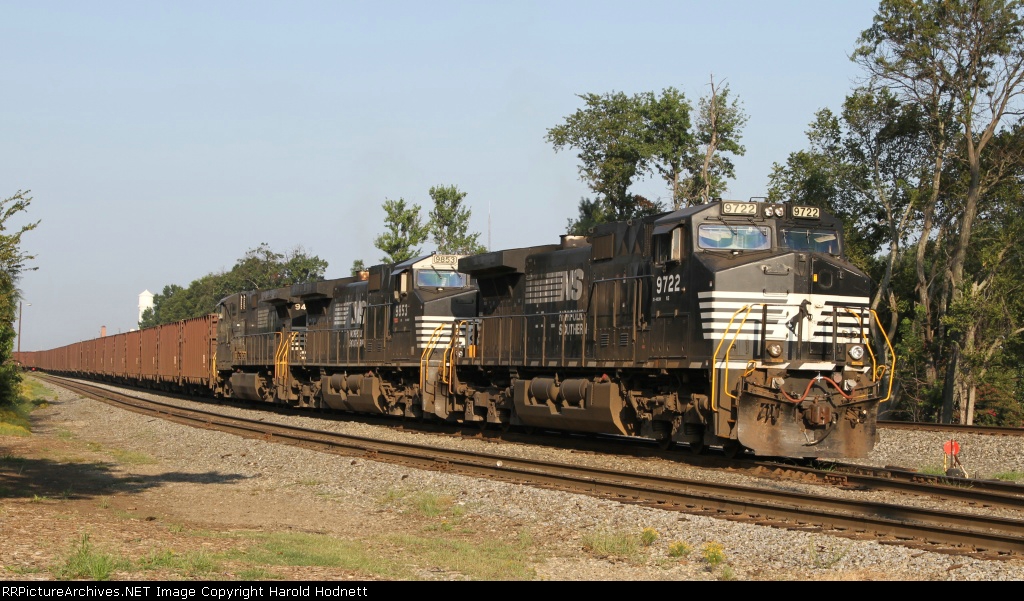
786	322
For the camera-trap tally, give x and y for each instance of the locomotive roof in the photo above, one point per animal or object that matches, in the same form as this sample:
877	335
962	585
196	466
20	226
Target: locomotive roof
500	262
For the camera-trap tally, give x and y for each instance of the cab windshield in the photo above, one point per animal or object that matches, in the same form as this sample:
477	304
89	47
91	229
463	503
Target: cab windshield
734	237
809	239
431	278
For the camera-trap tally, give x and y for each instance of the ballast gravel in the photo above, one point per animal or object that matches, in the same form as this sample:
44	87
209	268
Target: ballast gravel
205	479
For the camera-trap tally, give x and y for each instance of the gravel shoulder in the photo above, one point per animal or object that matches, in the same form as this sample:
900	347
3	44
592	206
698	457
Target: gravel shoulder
171	502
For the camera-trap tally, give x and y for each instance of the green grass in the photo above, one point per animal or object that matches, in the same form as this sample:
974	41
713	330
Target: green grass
36	392
605	543
491	560
299	549
190	564
250	574
1009	476
430	505
14	417
84	561
131	457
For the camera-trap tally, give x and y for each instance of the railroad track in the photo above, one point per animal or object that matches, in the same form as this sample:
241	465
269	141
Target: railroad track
952	428
939	531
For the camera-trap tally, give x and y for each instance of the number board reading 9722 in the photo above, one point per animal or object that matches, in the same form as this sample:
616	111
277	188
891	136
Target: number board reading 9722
806	212
739	208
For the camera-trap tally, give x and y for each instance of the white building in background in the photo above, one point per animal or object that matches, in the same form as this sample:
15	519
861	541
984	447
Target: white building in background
145	302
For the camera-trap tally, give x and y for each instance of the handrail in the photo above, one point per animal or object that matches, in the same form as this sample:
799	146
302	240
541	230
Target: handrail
892	367
714	357
449	363
874	363
428	350
281	356
728	351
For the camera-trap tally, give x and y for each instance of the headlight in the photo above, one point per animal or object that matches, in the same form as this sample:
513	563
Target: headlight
856	352
779	211
767	211
774	349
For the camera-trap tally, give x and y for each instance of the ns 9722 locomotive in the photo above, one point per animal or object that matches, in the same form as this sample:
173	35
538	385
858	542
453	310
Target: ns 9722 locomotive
733	324
736	324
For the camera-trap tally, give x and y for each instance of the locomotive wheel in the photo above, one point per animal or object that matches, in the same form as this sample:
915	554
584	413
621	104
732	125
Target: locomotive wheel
665	441
698	447
732	449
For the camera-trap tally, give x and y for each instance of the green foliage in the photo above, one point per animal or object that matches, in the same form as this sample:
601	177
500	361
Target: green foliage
260	269
191	564
449	221
619	138
670	141
13	262
961	64
719	126
610	138
404	232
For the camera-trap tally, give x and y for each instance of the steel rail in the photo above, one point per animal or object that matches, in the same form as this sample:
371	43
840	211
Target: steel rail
986	493
952	428
941	531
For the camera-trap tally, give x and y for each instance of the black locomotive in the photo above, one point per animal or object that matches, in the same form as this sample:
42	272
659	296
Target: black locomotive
735	324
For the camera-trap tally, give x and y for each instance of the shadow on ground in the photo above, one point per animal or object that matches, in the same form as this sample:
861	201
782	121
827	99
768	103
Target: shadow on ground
37	478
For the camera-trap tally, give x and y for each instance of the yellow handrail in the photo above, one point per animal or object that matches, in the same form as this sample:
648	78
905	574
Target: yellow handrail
892	368
874	363
281	356
728	351
427	351
714	357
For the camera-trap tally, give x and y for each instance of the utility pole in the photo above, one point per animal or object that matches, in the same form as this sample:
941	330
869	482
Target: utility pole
21	309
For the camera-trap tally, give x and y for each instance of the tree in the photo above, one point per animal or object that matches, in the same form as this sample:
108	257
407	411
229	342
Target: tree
357	267
719	127
404	232
620	138
963	62
865	166
13	262
670	142
260	268
610	137
449	221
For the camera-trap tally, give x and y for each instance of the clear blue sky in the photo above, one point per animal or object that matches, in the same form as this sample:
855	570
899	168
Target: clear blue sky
163	140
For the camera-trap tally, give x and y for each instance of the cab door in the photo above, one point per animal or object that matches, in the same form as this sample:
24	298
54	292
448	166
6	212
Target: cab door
669	303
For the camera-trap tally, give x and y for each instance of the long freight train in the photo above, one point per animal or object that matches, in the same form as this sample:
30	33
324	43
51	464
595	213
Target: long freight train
733	324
